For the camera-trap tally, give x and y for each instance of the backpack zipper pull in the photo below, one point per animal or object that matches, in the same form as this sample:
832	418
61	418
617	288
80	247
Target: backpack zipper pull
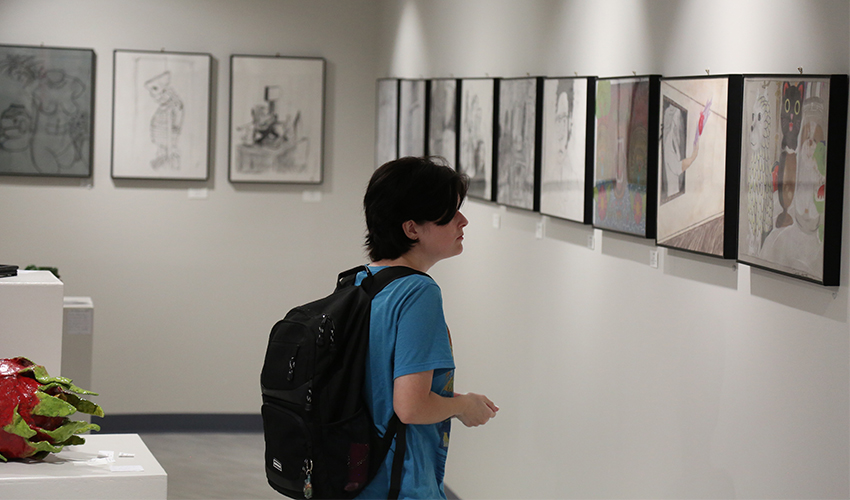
309	405
291	373
308	481
320	339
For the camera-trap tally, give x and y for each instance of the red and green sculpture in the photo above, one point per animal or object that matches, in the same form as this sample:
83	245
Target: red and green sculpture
34	411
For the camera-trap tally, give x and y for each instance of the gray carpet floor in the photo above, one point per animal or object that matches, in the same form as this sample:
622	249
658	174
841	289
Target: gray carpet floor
212	466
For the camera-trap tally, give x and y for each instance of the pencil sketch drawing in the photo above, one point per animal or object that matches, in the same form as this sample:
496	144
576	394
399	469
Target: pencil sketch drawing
411	122
564	156
277	119
476	135
517	126
442	121
386	142
161	115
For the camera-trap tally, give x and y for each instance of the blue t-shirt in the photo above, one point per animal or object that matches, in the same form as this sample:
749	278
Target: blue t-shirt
408	334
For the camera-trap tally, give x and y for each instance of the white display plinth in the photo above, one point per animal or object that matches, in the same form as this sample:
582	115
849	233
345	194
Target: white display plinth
84	472
31	306
77	329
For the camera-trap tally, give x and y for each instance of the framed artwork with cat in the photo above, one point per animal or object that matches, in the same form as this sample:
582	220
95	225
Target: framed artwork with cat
626	157
792	174
699	156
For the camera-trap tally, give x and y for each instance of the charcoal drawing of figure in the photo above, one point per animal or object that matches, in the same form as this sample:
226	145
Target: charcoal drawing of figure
271	143
45	116
476	136
516	143
442	136
166	123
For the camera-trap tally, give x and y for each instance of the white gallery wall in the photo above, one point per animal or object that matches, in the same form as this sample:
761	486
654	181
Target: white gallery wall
696	379
186	290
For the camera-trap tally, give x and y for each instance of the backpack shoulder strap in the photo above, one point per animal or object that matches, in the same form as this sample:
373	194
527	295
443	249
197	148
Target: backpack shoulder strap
374	283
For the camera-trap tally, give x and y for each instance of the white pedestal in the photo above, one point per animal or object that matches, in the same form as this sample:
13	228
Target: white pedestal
79	472
77	329
31	318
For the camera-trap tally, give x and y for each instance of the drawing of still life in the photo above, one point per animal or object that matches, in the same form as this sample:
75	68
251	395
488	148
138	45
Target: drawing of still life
386	135
161	115
443	119
518	159
565	158
626	127
692	167
791	187
46	111
276	119
476	135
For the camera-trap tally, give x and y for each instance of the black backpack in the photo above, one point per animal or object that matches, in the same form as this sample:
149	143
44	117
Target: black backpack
320	439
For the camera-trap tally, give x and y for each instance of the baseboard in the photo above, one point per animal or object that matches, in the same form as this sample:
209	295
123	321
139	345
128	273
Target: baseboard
179	422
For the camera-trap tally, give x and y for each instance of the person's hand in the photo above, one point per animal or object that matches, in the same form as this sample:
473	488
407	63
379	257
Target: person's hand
477	409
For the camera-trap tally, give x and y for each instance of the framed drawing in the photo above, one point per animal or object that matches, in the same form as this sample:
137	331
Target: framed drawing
413	117
478	115
699	155
567	149
443	111
386	133
518	153
161	115
276	119
792	174
624	185
46	111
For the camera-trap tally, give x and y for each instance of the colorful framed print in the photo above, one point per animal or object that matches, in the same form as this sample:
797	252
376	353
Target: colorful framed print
792	175
443	112
566	169
626	130
161	115
698	160
518	157
46	111
413	117
478	115
386	134
276	119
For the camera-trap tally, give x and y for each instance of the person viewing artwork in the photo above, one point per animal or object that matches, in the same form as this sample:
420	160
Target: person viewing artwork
413	219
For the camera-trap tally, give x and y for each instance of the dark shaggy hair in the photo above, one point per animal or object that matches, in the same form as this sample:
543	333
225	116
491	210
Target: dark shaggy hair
410	188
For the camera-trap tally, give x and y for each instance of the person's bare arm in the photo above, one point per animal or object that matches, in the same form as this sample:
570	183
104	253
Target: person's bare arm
415	403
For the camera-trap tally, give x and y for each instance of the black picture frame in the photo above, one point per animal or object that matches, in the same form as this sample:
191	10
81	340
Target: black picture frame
414	95
277	114
444	119
567	148
792	176
46	111
161	112
517	169
387	110
625	172
699	154
479	114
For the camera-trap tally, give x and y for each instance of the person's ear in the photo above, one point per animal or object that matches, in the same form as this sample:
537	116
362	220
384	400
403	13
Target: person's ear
411	230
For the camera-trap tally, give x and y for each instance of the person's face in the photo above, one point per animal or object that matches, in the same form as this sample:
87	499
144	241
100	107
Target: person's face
441	242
